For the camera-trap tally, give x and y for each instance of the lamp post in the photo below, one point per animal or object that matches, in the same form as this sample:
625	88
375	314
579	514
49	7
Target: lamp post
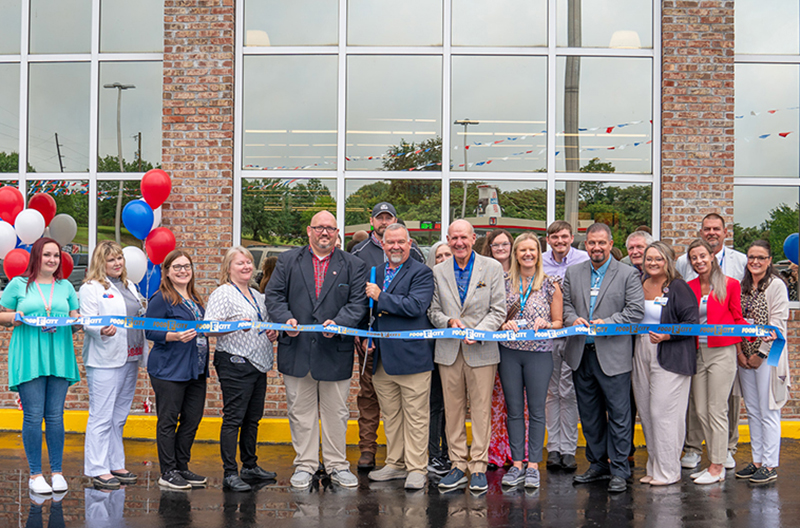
466	123
119	87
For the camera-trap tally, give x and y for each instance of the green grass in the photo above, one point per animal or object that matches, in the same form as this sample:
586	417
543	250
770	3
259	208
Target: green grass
106	233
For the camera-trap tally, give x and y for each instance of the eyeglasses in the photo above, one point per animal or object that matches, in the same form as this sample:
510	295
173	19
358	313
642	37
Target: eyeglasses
500	245
652	260
757	258
326	229
179	267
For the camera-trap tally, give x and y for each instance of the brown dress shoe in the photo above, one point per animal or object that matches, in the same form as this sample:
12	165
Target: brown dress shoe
367	460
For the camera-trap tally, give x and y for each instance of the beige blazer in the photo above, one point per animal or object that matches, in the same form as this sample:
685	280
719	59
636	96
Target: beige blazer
484	309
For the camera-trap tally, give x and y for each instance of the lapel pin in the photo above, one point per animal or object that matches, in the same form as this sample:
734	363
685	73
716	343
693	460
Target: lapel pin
334	273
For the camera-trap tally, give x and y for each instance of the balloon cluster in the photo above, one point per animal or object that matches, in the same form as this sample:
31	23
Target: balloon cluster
21	227
791	247
142	218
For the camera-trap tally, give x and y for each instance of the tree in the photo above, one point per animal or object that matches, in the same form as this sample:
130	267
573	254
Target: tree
10	162
111	164
406	156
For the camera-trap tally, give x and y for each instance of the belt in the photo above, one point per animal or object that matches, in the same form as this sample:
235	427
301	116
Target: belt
590	347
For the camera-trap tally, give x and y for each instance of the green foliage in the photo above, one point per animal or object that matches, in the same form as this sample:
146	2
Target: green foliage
782	222
595	165
429	159
9	162
111	164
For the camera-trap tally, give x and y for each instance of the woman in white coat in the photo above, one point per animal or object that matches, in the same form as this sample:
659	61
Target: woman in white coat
111	356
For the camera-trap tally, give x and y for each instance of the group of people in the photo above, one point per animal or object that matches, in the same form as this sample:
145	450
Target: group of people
685	388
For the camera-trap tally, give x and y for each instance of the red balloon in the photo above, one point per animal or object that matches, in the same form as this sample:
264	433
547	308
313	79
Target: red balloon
11	203
155	187
158	244
16	262
67	264
45	204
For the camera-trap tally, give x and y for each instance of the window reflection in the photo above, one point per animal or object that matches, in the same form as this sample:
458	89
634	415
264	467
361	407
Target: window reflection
389	23
394	107
282	23
767	27
603	112
418	204
131	26
10	23
108	192
297	131
275	211
768	213
766	120
72	198
9	117
140	114
605	23
623	207
499	109
60	26
58	107
499	22
517	206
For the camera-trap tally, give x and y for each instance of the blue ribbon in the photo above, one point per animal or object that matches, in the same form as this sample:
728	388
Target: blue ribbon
604	330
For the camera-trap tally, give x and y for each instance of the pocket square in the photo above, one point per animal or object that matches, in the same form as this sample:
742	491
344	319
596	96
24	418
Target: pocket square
481	284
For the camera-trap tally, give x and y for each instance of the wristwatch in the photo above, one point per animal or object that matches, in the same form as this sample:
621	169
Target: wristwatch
761	354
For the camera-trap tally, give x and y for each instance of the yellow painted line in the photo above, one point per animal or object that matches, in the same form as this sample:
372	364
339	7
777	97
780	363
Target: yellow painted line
276	430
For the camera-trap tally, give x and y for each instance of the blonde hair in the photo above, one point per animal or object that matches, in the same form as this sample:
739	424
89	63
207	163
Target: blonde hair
97	267
717	279
225	274
513	273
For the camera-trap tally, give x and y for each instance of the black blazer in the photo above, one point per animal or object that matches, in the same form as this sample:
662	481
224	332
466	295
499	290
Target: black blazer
404	306
679	353
291	294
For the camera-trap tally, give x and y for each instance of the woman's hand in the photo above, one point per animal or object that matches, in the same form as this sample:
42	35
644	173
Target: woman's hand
510	325
754	361
14	321
272	335
183	337
108	331
742	360
540	324
658	338
770	338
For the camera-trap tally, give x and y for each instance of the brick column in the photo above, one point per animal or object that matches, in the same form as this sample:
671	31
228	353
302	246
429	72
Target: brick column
697	116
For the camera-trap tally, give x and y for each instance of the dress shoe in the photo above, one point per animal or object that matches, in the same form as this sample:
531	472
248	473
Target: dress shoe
554	459
647	479
234	483
617	485
366	461
708	478
257	473
593	475
568	462
387	473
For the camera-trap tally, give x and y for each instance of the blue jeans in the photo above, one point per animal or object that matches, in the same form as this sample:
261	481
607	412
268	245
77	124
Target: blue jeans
43	397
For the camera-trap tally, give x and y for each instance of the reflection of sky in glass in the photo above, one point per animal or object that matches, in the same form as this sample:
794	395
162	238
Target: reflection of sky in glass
391	99
9	108
601	19
767	26
290	112
507	96
752	205
131	26
10	22
289	23
613	92
391	23
58	102
141	109
499	22
761	88
61	26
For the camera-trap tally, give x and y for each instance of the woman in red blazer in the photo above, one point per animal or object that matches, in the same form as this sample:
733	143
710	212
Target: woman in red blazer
719	298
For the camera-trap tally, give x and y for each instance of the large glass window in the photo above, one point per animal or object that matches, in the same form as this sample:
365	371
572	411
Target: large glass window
510	23
9	117
10	11
390	23
60	26
282	23
767	27
605	24
131	26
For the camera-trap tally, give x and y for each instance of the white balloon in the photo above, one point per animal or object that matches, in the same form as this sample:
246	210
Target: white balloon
8	239
29	226
63	228
135	263
156	217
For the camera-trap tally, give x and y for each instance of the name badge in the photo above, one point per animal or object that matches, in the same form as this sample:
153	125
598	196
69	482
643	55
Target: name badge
661	301
750	320
202	341
49	329
521	323
595	292
704	299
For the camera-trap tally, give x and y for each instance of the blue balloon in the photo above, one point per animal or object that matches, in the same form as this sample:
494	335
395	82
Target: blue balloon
26	247
138	218
151	281
791	247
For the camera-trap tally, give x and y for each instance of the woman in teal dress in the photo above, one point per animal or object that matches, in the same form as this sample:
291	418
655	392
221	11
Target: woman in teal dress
41	361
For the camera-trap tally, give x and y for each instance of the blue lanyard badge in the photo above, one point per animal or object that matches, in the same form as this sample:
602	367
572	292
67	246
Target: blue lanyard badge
253	304
523	300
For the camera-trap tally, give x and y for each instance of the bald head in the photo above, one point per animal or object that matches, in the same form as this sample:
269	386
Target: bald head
461	225
322	233
461	238
323	216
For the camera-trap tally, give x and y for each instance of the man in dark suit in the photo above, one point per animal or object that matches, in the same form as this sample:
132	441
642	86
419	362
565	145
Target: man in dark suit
402	294
603	291
317	284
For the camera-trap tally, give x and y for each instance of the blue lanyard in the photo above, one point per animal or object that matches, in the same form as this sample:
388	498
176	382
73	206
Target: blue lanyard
524	300
254	303
193	308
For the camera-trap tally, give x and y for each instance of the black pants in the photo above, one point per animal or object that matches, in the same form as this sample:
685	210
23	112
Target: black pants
244	388
604	405
437	441
179	406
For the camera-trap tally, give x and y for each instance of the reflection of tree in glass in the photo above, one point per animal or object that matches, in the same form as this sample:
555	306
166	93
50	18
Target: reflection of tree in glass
108	190
429	159
782	222
413	199
10	162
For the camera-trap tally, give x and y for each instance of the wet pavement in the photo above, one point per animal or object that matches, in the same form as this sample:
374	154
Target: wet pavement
558	503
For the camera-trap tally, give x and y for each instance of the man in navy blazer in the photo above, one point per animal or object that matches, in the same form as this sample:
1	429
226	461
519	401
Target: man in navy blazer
402	368
317	284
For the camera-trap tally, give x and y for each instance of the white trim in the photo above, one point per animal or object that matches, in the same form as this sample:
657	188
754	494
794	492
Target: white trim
756	59
447	117
238	128
341	117
766	182
655	128
550	209
23	97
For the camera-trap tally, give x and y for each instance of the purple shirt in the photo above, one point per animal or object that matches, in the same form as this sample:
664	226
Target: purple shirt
558	269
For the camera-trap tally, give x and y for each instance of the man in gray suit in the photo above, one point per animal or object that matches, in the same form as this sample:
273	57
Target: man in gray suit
469	292
603	291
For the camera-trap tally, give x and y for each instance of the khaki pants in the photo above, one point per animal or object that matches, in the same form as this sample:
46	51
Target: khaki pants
459	380
405	403
711	389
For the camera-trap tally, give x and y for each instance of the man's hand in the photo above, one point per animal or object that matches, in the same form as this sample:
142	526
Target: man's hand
456	323
373	291
580	321
272	335
293	323
597	321
329	322
658	338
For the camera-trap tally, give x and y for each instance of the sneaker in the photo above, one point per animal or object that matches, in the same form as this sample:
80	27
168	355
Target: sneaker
194	480
454	479
764	474
39	486
748	471
690	460
531	477
36	498
233	482
415	481
59	483
387	473
514	476
730	463
344	477
439	466
301	479
174	480
477	482
257	473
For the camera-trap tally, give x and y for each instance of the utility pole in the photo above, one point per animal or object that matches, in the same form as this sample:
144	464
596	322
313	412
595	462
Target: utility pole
58	151
139	152
119	87
466	123
572	84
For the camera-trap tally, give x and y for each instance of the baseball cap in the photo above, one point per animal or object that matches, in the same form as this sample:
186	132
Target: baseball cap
384	207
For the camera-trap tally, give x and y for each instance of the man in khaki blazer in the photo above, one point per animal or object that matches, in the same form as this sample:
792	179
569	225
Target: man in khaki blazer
469	292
